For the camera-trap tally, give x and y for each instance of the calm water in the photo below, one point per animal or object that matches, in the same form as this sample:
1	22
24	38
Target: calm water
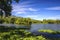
35	27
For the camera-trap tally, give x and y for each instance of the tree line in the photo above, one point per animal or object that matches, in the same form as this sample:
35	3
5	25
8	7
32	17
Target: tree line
26	21
15	20
50	21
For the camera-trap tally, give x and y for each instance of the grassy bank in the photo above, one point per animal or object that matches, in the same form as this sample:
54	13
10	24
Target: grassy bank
22	34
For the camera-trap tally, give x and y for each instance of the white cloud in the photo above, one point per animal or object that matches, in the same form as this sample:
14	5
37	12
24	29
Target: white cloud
20	12
23	8
36	17
54	17
49	17
32	16
53	8
31	9
19	8
41	17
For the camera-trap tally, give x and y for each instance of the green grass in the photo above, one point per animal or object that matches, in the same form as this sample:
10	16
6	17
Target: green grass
23	35
19	35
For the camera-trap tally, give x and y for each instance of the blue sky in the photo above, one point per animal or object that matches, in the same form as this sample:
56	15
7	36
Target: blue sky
37	9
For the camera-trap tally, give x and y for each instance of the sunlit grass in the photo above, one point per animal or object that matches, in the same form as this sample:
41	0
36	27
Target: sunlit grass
48	31
15	35
24	35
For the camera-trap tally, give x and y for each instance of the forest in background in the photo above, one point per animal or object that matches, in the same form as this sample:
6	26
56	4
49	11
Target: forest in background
25	21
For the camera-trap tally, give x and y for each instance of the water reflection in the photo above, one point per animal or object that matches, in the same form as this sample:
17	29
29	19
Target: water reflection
36	27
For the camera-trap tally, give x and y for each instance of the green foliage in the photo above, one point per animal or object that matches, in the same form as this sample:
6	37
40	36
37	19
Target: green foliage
49	31
36	21
41	38
50	21
15	36
22	34
15	20
6	6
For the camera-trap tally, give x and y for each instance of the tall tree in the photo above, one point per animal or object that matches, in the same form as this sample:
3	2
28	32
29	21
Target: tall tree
6	6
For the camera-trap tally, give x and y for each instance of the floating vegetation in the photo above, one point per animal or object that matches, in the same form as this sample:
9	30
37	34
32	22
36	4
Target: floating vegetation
48	31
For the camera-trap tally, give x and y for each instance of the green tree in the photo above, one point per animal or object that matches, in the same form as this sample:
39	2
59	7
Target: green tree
6	6
58	21
44	21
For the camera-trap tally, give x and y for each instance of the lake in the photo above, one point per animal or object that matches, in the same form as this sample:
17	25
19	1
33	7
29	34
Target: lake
36	27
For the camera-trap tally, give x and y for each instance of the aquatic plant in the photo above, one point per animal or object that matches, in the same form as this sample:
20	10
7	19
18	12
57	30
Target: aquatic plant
47	31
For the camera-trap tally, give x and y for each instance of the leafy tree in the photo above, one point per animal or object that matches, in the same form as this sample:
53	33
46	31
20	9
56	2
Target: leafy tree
6	6
44	21
58	21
